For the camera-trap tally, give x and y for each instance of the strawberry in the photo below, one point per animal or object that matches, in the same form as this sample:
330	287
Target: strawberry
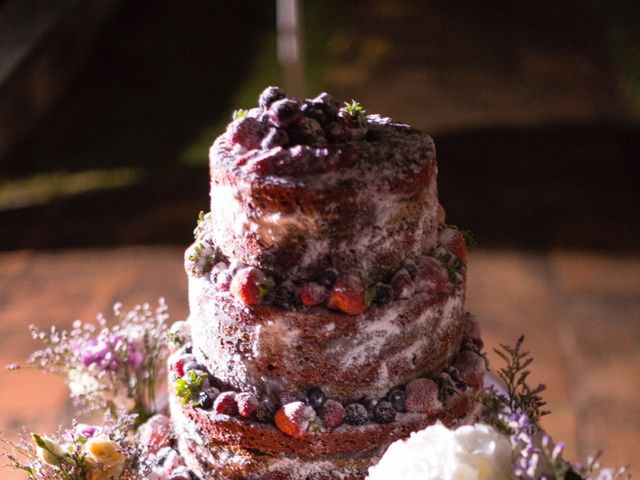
432	277
331	413
422	397
247	404
348	295
226	403
249	285
453	241
296	419
312	294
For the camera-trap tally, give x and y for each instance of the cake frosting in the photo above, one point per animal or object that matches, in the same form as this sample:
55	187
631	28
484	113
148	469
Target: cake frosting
326	298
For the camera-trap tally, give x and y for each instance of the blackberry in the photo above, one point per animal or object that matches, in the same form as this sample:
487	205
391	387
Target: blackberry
276	137
370	404
328	103
411	267
270	95
204	400
396	399
384	294
315	397
446	387
384	412
355	414
284	295
328	278
313	111
284	112
267	408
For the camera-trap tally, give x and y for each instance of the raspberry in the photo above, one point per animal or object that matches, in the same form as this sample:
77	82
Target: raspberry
347	295
355	414
266	410
276	137
471	367
226	403
249	285
397	398
384	412
315	397
270	95
432	276
155	433
422	397
384	294
453	241
401	284
247	404
246	131
331	413
178	362
313	294
295	419
284	112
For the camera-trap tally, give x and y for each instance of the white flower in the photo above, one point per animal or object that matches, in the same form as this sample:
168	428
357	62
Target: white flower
104	457
471	452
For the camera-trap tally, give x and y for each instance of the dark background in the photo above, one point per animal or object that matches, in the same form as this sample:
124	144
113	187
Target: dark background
534	107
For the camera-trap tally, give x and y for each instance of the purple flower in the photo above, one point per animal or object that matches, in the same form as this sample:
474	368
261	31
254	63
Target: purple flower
95	351
135	356
87	431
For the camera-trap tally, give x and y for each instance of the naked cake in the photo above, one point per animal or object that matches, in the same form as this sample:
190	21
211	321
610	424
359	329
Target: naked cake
326	297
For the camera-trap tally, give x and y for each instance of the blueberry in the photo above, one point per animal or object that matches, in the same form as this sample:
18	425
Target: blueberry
355	414
315	397
267	408
328	103
188	348
270	95
276	137
284	112
411	267
204	400
396	399
384	412
315	112
384	294
328	278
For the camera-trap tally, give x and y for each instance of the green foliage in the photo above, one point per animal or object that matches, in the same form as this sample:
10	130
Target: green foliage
189	386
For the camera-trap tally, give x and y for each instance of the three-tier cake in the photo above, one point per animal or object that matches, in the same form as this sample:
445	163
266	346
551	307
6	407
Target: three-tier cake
326	297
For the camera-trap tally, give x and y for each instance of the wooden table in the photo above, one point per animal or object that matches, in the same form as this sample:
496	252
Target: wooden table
580	313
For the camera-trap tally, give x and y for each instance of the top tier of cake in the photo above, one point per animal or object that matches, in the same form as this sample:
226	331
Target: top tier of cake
299	187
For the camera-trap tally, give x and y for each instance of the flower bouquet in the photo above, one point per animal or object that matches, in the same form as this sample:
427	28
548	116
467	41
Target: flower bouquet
114	368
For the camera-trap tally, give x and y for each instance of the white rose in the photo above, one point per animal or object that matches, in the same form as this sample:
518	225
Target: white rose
471	452
104	457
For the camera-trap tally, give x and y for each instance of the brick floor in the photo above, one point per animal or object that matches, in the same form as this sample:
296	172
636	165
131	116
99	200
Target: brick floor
580	313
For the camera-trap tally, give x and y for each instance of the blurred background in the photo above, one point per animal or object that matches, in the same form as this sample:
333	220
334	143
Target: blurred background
107	110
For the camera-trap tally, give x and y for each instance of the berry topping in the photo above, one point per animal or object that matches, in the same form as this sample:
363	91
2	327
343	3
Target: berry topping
397	398
296	419
401	284
328	278
471	367
275	137
331	413
432	277
453	241
178	362
411	267
192	365
246	131
285	112
284	294
422	397
384	412
155	433
249	285
355	414
226	403
270	95
266	409
315	397
338	132
247	404
348	295
307	131
312	294
328	103
446	386
383	294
